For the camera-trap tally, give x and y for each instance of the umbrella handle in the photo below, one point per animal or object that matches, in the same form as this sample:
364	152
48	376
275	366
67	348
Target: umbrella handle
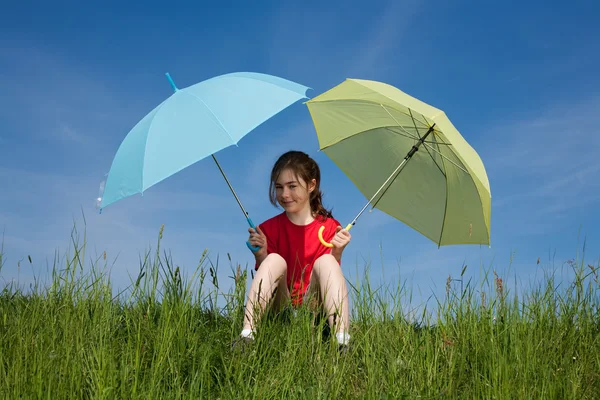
252	248
323	242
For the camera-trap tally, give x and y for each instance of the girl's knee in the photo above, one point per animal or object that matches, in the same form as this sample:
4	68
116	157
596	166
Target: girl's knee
327	259
273	263
326	262
274	258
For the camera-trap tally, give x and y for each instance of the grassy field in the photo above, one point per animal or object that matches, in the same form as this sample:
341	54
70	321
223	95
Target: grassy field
166	337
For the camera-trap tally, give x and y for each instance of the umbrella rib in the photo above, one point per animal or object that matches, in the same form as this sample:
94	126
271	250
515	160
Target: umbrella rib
412	118
446	158
426	147
213	114
408	135
395	120
146	145
445	212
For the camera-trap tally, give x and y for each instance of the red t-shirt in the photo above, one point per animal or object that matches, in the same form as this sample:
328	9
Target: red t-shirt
299	246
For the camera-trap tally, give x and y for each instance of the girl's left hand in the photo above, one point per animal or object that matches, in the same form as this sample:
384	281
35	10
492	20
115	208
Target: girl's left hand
341	239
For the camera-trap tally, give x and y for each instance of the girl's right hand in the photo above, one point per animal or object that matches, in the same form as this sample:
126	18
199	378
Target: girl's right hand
258	239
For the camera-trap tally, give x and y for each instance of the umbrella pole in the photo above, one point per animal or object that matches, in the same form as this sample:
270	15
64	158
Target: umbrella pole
394	174
230	187
253	249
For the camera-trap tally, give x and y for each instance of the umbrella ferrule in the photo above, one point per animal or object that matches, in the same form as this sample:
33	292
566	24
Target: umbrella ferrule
171	82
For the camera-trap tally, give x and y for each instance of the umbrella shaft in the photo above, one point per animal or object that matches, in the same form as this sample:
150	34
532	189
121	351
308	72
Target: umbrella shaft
408	156
230	187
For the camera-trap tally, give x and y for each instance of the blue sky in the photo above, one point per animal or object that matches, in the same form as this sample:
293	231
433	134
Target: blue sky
520	82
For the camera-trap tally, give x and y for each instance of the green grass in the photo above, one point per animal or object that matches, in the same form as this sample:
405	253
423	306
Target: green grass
169	336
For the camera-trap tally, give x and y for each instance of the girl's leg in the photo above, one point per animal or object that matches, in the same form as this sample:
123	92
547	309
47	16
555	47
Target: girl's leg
270	279
333	294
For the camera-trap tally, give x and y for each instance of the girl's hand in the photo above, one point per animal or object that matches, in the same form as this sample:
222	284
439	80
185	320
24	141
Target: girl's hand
258	239
341	239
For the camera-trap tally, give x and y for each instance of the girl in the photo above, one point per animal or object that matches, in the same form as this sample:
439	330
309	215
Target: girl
291	260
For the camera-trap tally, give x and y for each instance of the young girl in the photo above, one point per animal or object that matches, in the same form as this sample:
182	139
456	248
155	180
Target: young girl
291	260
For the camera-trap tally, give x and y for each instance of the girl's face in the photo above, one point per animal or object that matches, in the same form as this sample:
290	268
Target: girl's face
293	193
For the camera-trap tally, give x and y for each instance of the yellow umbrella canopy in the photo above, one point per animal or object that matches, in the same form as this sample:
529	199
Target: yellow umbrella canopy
407	158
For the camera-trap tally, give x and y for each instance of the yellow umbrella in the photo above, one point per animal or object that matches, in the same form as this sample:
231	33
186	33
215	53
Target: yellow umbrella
371	131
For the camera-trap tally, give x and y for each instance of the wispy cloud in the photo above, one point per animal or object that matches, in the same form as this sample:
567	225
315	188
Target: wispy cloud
338	40
545	166
374	51
67	133
559	138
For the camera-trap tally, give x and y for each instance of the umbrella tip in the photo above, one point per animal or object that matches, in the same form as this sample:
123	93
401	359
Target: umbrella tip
171	82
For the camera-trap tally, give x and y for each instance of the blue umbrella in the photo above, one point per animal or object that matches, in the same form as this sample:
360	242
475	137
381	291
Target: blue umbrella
194	123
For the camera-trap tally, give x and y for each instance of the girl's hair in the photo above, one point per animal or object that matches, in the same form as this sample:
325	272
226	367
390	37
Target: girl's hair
306	168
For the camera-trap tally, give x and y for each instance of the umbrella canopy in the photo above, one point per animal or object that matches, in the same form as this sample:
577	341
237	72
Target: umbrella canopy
193	123
407	158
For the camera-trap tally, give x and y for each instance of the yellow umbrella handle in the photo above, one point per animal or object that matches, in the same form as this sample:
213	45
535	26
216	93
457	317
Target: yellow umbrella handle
323	242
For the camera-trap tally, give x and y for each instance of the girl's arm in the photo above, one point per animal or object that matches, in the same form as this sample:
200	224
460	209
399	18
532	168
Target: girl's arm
339	242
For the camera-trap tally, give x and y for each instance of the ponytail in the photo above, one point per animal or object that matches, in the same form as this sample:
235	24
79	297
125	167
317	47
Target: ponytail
316	204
